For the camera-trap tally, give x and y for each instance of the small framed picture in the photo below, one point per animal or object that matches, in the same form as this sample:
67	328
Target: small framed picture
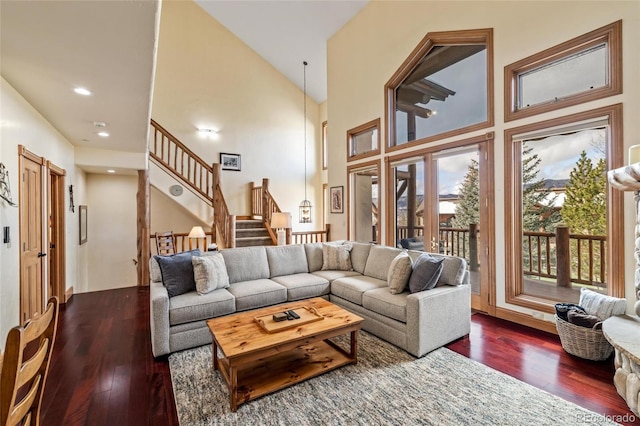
83	225
337	199
230	161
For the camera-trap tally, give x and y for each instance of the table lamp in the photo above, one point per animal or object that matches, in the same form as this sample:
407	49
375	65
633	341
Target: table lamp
281	221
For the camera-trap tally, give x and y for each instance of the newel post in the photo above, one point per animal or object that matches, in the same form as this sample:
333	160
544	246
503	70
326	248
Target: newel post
265	202
563	256
252	202
215	183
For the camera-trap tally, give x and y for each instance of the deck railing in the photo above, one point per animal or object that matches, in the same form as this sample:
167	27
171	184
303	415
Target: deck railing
561	256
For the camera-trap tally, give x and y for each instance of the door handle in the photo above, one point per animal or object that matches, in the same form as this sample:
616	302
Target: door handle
42	254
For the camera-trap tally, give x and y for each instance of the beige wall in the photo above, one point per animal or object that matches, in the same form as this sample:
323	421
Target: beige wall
112	231
207	77
168	215
365	53
21	124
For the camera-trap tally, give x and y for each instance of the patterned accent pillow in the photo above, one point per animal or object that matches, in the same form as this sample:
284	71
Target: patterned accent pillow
336	258
399	273
426	272
210	273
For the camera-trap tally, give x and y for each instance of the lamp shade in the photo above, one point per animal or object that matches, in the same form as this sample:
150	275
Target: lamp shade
281	220
197	232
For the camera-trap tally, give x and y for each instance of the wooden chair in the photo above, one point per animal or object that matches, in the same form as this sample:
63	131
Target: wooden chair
165	243
25	366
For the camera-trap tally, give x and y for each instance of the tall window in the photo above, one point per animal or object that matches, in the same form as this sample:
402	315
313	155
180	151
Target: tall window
443	89
582	69
364	202
563	221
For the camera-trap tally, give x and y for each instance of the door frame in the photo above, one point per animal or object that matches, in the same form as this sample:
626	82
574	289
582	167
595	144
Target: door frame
56	271
486	300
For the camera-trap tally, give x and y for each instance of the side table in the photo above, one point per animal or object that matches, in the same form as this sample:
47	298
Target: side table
623	332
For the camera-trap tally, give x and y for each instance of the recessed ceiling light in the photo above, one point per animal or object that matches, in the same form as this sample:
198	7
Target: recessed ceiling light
82	91
103	134
111	171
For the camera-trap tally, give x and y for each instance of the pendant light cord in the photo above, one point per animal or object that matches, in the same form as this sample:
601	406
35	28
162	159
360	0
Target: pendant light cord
304	87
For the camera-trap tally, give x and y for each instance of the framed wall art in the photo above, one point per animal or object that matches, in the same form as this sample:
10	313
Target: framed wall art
230	161
83	225
337	198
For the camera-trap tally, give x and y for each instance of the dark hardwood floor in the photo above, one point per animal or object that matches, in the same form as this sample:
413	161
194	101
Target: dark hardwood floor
103	373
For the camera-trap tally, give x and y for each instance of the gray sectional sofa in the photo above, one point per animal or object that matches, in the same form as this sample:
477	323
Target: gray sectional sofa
262	276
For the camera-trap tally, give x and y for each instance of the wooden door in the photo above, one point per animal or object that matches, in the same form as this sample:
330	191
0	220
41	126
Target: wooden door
56	235
31	254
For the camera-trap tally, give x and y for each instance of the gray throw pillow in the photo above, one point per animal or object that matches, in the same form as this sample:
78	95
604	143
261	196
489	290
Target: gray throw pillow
177	272
426	272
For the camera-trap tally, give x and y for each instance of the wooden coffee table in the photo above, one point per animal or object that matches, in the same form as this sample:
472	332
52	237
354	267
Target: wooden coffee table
254	363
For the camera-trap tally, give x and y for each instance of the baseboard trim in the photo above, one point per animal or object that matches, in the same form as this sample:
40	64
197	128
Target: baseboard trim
68	294
525	319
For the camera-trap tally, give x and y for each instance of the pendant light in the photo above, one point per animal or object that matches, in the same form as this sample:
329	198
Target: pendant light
305	205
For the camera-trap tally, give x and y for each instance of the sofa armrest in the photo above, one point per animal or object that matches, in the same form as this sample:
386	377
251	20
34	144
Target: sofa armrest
436	317
159	318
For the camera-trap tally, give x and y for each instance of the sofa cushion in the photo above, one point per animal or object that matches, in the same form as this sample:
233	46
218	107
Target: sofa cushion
246	263
334	275
336	257
426	273
359	255
177	272
600	305
314	256
154	270
303	286
390	305
352	288
379	261
257	293
399	273
209	272
191	306
287	260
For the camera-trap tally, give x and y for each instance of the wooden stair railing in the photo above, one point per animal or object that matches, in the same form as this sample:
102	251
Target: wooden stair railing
263	205
182	242
226	222
171	154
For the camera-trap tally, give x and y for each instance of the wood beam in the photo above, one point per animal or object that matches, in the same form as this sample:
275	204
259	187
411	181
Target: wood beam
143	232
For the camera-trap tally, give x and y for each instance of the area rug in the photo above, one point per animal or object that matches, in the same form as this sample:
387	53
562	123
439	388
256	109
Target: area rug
386	387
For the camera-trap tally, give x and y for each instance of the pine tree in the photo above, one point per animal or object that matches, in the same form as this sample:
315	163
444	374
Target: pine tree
585	206
467	209
538	214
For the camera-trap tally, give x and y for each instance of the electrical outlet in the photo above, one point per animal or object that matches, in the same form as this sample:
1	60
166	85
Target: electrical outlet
537	315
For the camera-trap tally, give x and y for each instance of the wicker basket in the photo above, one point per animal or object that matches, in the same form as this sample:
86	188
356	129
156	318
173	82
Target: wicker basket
583	342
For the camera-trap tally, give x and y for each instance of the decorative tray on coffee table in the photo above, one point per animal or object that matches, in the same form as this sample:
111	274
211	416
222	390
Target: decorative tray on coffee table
307	315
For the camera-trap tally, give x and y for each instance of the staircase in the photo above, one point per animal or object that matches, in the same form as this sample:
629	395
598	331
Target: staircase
252	232
182	164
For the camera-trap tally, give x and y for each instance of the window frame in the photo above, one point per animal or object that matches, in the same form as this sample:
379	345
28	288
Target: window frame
610	34
325	154
353	168
431	40
351	133
514	291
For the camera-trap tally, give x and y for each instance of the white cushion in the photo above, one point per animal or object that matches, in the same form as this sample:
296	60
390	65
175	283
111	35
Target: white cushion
600	305
210	273
399	273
